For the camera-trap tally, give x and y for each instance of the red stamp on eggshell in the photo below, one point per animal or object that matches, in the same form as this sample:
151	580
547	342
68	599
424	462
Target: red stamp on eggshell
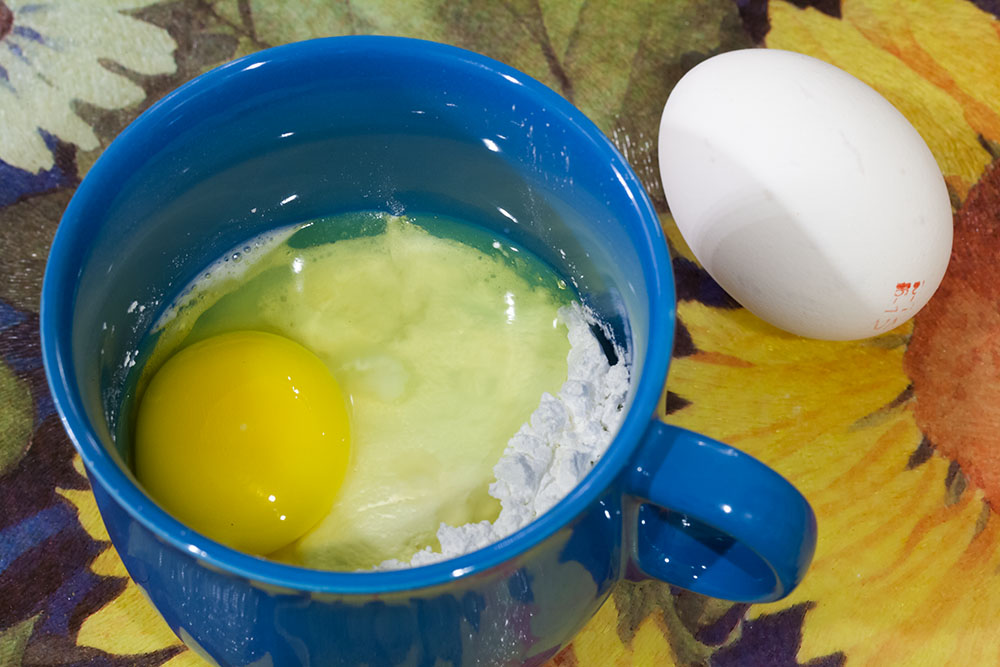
898	305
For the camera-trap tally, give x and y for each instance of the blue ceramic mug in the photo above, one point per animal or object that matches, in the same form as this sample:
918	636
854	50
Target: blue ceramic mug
360	123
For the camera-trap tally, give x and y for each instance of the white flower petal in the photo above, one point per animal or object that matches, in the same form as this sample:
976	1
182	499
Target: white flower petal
89	82
63	123
45	75
21	145
117	5
134	44
141	47
47	107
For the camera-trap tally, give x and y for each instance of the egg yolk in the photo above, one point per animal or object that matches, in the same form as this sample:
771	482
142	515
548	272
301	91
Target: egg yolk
243	437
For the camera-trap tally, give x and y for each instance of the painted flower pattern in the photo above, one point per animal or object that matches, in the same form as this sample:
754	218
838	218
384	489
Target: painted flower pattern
57	53
909	547
892	439
128	625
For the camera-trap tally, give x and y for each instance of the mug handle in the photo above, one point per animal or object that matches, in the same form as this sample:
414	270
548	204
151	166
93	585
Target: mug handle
716	521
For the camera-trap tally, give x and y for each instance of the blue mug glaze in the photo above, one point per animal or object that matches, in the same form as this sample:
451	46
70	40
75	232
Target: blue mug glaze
355	123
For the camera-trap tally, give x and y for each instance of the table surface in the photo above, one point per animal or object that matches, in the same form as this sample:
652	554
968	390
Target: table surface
892	439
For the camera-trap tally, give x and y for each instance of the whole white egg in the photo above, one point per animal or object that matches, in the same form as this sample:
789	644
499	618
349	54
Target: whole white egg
804	193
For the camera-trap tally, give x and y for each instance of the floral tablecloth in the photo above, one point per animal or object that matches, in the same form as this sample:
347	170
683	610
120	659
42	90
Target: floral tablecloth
895	440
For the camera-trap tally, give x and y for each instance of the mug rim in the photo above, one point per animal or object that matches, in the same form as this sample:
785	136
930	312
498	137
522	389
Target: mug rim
57	305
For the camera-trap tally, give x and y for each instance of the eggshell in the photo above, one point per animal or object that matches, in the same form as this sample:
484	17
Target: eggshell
805	194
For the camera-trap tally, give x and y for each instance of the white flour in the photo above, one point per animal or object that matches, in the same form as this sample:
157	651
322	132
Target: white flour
548	456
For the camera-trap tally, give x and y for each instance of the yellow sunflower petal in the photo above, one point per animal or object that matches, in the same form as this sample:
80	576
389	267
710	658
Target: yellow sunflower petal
939	78
87	513
128	625
650	646
598	643
950	43
902	573
108	564
769	392
186	659
892	540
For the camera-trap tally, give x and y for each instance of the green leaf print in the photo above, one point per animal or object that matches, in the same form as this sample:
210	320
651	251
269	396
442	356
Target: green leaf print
14	640
15	419
616	61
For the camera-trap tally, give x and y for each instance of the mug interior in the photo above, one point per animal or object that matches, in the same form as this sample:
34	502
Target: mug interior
325	127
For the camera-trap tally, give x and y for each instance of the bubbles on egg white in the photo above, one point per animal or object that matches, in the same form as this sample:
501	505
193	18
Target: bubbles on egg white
229	267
